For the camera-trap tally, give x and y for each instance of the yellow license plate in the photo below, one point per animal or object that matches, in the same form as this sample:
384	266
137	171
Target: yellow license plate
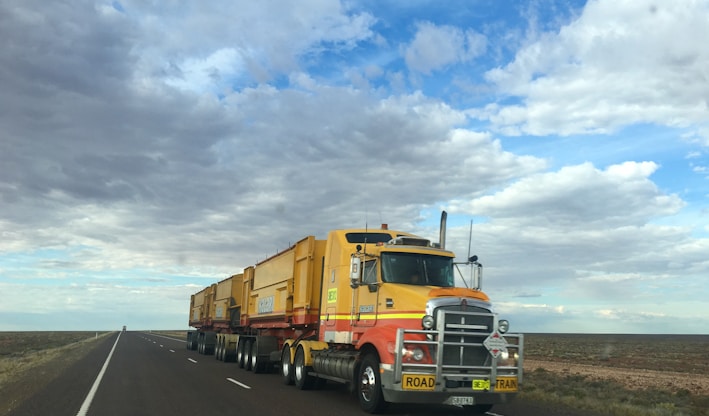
506	384
418	381
503	384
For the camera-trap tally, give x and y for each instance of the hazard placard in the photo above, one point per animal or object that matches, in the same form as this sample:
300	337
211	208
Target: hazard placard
496	344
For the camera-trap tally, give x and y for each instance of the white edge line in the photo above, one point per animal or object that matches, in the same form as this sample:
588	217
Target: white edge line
239	384
90	397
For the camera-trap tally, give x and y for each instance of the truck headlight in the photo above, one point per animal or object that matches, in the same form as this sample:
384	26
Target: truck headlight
503	325
415	353
427	322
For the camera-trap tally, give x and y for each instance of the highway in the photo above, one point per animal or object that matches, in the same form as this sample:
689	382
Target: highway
149	374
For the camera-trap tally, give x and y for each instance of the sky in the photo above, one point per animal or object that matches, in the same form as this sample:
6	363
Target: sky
150	149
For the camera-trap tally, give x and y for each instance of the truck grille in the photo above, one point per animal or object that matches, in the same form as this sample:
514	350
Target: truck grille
456	350
463	334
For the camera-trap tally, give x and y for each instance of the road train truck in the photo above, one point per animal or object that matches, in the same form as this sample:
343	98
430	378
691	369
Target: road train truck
374	308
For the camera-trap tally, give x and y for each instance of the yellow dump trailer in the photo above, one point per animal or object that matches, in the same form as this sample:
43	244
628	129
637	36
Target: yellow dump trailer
283	291
215	310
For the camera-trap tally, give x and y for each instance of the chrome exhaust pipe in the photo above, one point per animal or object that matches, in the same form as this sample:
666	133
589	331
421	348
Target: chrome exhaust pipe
442	230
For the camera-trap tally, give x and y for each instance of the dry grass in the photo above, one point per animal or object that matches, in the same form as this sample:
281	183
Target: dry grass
620	375
44	353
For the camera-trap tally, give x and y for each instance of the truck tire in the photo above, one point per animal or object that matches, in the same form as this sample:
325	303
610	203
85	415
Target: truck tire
241	353
302	379
369	388
257	363
286	366
218	350
247	354
477	409
229	354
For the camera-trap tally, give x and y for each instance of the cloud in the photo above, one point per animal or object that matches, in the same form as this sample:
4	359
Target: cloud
223	45
582	197
435	47
618	64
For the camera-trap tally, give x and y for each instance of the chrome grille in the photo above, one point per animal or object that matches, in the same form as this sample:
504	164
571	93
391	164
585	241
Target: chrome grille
463	335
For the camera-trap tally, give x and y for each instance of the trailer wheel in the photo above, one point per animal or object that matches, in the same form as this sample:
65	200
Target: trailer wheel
241	353
218	350
478	409
286	366
303	380
247	354
257	363
228	353
369	390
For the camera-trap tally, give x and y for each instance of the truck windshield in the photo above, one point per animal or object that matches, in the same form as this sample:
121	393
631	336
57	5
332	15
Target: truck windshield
417	269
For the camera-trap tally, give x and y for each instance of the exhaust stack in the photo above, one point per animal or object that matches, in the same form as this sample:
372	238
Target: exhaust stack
442	230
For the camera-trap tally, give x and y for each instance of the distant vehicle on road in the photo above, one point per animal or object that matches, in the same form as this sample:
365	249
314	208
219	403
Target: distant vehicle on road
124	328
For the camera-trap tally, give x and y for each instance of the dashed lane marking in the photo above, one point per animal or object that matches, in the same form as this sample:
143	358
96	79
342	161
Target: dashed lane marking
172	350
239	384
189	359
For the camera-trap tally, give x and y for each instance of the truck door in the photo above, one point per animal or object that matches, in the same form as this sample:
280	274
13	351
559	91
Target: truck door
365	297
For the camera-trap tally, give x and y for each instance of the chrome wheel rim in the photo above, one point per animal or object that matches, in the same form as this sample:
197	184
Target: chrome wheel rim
368	383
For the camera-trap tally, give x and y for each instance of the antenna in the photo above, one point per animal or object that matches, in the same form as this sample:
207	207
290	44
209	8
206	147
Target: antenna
470	237
470	242
366	233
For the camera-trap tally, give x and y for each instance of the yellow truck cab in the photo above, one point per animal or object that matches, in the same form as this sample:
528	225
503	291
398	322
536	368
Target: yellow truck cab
414	336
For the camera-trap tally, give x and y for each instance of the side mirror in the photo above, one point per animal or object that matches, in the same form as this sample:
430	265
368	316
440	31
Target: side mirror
355	271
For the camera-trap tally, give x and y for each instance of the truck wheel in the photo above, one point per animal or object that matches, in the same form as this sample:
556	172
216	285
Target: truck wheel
371	399
286	366
229	353
218	350
302	379
247	354
257	363
478	409
241	353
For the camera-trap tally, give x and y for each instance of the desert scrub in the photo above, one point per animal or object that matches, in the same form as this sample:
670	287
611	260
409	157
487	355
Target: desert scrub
608	397
21	351
676	353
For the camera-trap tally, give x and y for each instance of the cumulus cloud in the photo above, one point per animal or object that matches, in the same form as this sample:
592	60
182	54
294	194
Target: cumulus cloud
435	47
619	63
583	197
236	45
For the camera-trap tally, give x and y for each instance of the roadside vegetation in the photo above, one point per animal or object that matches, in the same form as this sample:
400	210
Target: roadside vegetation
29	360
675	384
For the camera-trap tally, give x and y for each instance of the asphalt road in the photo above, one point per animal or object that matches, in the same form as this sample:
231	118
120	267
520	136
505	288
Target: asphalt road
150	374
